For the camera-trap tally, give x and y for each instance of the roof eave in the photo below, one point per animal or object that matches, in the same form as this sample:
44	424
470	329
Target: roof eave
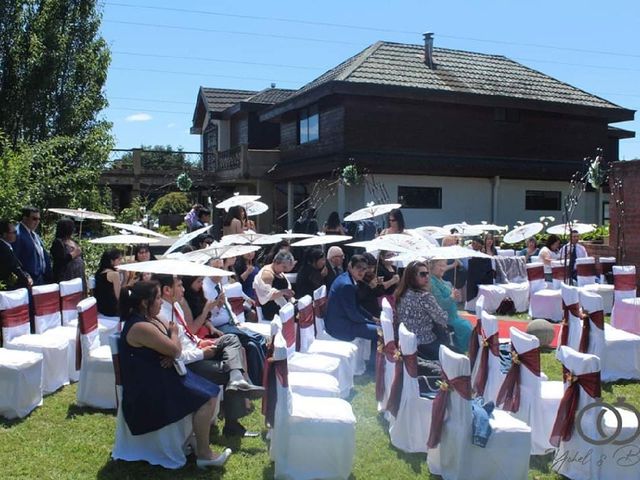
198	113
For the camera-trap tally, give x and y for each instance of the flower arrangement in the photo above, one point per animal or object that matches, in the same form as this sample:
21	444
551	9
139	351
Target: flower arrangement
350	175
184	182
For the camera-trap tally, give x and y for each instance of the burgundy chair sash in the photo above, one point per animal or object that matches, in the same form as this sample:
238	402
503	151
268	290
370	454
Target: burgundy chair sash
509	393
389	352
625	281
558	273
462	385
598	320
410	363
474	343
289	332
586	269
492	344
237	305
573	309
535	274
87	323
70	302
14	317
306	319
274	370
565	418
320	307
46	303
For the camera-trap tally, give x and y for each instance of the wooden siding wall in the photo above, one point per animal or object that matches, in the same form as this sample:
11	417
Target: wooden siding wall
239	130
263	135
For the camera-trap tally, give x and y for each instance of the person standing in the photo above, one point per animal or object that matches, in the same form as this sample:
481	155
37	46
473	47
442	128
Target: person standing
29	248
66	253
12	275
571	252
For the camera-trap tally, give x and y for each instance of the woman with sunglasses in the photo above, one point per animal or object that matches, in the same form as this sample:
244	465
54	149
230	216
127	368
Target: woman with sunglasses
418	309
396	223
387	272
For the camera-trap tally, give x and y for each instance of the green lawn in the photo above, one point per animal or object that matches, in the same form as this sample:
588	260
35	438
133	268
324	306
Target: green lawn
60	440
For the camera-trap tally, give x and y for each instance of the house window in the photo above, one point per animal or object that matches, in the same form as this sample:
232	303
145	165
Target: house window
308	125
542	200
420	197
605	213
210	145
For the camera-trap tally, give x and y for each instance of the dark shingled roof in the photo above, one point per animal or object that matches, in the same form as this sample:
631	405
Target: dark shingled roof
270	96
219	99
397	64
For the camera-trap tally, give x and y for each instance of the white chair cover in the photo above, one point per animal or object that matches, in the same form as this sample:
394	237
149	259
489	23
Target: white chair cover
308	384
508	252
107	326
307	362
546	304
606	264
95	388
20	382
539	399
236	298
311	438
410	430
558	269
624	278
586	268
519	293
493	296
386	323
535	275
602	462
164	447
363	346
495	377
591	304
70	296
479	307
506	455
14	312
605	291
571	296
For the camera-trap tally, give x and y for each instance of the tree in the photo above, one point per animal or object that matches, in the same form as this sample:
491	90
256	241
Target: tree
157	157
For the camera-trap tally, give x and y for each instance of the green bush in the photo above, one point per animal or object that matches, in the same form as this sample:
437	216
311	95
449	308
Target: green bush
174	202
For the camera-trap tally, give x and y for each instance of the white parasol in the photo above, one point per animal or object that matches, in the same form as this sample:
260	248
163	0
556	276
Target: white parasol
172	266
394	242
81	214
321	240
464	229
370	211
489	227
454	252
563	229
249	237
432	231
186	238
135	229
219	250
124	239
255	208
290	235
521	233
236	200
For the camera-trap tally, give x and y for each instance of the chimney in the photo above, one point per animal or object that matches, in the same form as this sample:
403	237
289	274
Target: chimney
428	50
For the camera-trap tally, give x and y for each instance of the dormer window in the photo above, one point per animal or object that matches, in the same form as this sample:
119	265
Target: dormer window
308	125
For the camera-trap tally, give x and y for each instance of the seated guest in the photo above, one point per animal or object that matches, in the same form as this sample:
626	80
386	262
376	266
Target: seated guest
203	218
345	319
477	244
197	309
312	274
267	257
141	253
66	254
447	298
387	272
396	222
418	309
333	226
271	285
107	289
219	360
154	394
370	288
489	246
530	250
246	270
549	253
335	262
12	275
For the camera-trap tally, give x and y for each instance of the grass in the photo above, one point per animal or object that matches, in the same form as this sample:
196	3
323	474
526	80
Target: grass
62	441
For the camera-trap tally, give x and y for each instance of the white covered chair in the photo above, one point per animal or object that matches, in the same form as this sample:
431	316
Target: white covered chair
535	277
605	291
519	293
386	359
487	376
543	302
311	437
410	430
20	382
493	296
164	447
586	270
558	273
606	269
107	326
95	388
345	351
526	395
308	362
70	295
582	379
14	313
235	297
363	345
571	331
451	452
624	281
48	321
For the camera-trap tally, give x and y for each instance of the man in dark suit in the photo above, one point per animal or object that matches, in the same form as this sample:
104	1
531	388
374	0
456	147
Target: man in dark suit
345	319
12	275
29	247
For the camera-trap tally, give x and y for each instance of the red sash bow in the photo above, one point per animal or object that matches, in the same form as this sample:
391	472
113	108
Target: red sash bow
410	362
586	269
509	393
624	281
462	385
237	305
558	273
14	317
274	370
46	303
306	319
536	273
390	353
598	320
563	425
289	332
573	309
87	323
70	302
474	343
320	307
492	344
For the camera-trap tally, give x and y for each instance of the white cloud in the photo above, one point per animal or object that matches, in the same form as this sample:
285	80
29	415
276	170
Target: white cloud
139	117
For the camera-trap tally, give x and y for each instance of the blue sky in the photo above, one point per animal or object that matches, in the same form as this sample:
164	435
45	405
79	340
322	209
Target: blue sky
163	54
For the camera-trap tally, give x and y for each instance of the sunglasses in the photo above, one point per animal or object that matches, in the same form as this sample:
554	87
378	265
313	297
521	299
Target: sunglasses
423	274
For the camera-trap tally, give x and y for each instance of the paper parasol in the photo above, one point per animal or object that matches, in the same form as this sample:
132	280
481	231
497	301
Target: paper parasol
464	229
521	233
172	266
256	208
81	214
249	237
321	240
563	229
290	235
236	200
453	252
135	229
370	211
218	250
124	240
489	227
186	238
395	242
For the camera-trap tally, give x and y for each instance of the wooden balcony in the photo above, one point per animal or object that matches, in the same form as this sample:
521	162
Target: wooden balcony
241	162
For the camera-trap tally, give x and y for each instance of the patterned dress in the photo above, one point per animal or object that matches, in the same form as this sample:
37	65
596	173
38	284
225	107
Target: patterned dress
419	311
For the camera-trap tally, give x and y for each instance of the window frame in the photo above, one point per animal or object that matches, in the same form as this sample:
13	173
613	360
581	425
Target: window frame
401	197
530	194
303	124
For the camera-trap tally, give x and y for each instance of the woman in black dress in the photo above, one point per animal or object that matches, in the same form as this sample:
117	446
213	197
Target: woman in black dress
66	253
312	274
107	289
